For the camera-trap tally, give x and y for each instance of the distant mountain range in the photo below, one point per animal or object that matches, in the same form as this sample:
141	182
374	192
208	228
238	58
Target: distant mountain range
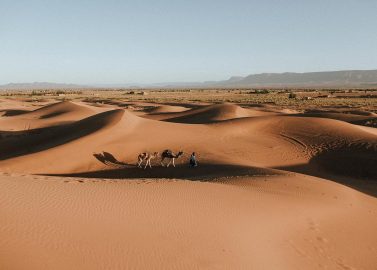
40	85
346	78
309	79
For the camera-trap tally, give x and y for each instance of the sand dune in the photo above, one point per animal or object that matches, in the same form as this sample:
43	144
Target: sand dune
338	116
253	194
64	108
345	112
15	144
263	142
209	114
167	109
367	119
54	114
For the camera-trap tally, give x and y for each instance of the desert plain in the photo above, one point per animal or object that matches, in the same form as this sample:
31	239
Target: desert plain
287	179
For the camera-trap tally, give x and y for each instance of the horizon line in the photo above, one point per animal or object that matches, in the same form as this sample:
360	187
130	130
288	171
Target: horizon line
181	82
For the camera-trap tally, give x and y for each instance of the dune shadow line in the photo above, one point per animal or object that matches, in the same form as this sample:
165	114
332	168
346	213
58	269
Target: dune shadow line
18	143
181	171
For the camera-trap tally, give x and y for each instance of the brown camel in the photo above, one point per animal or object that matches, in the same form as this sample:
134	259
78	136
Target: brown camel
168	154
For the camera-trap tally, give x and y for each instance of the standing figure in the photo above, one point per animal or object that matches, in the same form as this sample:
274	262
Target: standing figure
193	162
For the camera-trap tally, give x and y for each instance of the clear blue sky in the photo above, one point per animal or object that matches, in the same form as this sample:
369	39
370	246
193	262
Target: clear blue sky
107	41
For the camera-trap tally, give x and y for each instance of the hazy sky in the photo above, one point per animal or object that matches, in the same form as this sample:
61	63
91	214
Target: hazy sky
109	41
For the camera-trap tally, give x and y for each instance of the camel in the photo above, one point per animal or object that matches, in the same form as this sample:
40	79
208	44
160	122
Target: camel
168	154
147	157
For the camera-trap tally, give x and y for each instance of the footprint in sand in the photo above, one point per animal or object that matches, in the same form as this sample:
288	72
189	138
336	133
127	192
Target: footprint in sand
74	181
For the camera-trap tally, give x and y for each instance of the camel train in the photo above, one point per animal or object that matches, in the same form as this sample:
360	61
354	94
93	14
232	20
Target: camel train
167	155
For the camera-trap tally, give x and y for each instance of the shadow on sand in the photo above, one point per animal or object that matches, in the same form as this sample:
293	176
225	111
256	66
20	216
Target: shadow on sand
108	159
13	112
361	179
18	143
120	170
363	184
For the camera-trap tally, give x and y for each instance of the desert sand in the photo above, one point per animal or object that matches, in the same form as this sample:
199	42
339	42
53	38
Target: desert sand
274	189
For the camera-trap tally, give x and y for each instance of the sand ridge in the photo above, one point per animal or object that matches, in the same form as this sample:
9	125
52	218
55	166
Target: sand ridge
208	114
46	116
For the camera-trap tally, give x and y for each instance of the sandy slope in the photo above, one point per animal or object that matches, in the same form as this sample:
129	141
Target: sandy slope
267	142
208	114
359	118
50	115
284	222
166	109
251	213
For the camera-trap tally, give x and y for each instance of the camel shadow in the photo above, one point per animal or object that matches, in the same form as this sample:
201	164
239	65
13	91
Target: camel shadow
106	158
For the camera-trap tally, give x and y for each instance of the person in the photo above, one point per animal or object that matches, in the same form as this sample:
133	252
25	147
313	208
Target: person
193	162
